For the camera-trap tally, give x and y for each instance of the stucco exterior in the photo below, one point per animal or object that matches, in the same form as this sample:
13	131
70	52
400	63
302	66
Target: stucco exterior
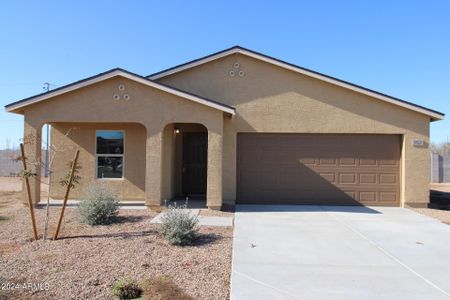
272	99
150	108
266	98
68	137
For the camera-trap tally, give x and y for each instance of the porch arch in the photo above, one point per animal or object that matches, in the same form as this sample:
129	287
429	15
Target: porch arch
163	160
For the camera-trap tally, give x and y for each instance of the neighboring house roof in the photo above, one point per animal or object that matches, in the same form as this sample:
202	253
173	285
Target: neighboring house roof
435	115
16	106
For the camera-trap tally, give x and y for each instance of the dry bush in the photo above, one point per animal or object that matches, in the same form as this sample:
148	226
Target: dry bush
101	205
3	219
126	289
179	226
163	288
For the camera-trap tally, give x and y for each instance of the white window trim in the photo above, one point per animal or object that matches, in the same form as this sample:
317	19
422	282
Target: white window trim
109	155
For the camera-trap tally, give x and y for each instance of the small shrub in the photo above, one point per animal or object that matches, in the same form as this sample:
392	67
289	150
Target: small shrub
3	219
100	206
179	226
163	288
126	289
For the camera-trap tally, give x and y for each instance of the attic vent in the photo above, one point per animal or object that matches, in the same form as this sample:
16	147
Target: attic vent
236	70
116	97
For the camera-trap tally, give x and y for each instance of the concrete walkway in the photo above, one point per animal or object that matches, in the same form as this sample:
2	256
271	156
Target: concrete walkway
329	252
202	220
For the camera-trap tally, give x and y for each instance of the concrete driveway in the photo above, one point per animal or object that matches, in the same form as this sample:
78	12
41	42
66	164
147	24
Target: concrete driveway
330	252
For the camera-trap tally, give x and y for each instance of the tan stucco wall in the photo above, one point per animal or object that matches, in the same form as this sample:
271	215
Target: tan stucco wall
267	99
153	109
272	99
71	136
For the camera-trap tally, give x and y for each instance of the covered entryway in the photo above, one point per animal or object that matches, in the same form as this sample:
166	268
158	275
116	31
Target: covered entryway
185	163
335	169
151	172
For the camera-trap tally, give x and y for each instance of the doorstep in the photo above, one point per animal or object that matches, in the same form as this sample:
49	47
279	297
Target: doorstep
202	220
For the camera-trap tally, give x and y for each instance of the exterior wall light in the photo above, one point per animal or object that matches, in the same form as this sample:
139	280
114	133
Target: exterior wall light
177	130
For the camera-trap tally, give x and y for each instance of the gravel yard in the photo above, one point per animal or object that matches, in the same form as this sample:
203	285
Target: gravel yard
442	215
443	187
87	260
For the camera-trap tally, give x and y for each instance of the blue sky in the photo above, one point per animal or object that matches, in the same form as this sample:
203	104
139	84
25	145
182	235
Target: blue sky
401	48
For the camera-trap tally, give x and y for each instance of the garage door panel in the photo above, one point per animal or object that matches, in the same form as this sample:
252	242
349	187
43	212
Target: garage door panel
368	196
368	178
327	162
331	177
315	168
387	196
389	178
347	178
307	161
388	162
348	162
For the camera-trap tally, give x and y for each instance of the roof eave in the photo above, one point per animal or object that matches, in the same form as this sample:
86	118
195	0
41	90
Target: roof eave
18	106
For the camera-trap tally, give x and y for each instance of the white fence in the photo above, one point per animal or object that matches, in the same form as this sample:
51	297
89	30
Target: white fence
10	167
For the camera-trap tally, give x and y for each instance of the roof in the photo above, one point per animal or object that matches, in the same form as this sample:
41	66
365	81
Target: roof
16	106
434	115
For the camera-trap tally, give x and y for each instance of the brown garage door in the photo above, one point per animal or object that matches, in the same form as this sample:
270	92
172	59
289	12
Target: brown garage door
337	169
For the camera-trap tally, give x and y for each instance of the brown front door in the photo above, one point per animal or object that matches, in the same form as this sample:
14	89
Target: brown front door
195	153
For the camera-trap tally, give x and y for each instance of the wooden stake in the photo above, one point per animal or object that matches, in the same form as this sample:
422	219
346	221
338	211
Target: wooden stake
66	196
27	184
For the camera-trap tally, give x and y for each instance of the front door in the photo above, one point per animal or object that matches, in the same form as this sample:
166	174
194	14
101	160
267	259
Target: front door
195	153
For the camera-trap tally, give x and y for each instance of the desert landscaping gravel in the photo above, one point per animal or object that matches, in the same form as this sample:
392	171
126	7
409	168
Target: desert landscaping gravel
87	260
442	215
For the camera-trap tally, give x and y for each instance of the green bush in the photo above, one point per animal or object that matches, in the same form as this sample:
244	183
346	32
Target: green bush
126	289
179	226
100	206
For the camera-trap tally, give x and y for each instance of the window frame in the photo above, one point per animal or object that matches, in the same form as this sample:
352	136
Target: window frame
109	155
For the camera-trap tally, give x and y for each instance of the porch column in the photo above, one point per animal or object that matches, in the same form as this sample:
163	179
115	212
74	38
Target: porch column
153	169
32	146
214	174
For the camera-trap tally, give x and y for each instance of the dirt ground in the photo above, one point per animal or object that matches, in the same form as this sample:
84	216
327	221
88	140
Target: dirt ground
87	260
10	184
442	215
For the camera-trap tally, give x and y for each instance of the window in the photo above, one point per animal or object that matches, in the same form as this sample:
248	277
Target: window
109	153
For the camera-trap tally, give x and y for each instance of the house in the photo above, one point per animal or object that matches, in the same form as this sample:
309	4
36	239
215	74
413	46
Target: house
239	127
